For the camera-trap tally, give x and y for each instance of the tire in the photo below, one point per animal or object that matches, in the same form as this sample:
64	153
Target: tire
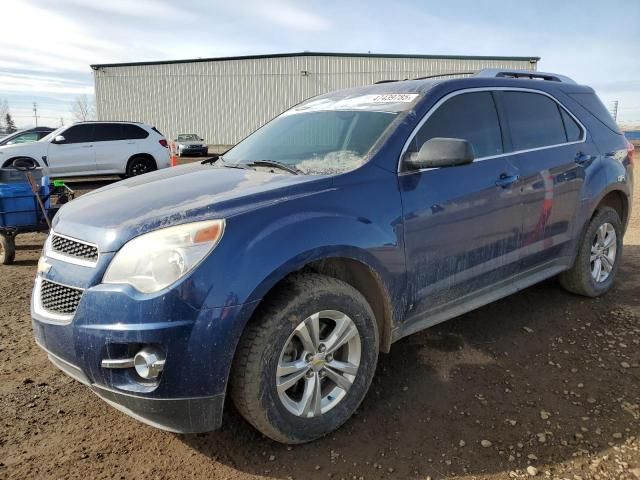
580	279
7	249
262	346
140	165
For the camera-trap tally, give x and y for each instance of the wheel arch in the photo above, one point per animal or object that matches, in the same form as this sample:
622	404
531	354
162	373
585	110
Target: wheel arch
148	156
354	271
617	200
9	161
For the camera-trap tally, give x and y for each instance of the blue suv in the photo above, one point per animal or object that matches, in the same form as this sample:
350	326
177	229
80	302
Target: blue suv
276	274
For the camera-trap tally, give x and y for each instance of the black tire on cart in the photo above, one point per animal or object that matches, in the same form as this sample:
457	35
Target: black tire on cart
7	249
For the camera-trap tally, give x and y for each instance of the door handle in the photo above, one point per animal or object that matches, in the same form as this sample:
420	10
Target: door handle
506	180
582	158
87	146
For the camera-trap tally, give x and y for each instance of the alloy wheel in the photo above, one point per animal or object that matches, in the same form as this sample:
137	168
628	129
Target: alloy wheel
318	363
603	252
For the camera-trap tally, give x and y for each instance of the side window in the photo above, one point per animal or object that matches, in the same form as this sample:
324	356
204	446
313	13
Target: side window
78	134
24	138
534	120
107	132
574	132
469	116
133	132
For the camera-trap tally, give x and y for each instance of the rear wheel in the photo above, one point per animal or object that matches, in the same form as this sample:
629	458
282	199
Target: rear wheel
303	367
139	166
596	265
7	249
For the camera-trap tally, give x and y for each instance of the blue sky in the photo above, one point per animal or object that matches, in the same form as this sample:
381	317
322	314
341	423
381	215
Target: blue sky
46	46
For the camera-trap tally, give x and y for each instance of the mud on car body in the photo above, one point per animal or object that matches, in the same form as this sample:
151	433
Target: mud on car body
274	276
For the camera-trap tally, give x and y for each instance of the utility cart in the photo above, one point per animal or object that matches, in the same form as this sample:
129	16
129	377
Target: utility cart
28	203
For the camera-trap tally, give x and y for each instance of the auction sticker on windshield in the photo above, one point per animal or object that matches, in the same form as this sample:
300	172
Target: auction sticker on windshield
389	102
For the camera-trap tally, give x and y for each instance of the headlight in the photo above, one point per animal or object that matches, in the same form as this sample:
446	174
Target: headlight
155	260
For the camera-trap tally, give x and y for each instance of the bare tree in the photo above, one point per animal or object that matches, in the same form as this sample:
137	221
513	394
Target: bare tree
83	109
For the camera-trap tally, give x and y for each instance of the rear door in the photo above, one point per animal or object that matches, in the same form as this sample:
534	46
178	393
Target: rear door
550	153
112	147
462	224
76	155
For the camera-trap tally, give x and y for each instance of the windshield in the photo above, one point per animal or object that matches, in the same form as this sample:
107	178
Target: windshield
315	142
188	137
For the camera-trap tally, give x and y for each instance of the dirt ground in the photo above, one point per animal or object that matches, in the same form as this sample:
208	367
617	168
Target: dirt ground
541	383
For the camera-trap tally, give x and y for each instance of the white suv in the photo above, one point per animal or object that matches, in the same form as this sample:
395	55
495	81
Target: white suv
90	148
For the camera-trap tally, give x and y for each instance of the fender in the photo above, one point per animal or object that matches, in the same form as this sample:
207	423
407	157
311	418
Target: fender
317	236
359	219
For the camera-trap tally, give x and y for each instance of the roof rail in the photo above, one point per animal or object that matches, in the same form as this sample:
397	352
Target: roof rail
447	74
530	74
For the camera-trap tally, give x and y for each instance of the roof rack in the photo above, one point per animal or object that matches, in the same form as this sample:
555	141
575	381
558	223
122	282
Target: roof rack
530	74
448	74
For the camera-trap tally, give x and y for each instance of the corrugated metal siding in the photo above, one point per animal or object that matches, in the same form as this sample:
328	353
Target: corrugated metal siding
224	101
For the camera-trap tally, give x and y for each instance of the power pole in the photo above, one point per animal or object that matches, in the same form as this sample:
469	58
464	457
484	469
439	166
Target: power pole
35	112
614	112
61	122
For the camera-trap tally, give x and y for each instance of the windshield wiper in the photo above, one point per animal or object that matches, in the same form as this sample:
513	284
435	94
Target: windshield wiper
220	159
274	163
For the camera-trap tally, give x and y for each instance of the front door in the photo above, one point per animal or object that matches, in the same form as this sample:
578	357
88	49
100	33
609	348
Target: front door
74	156
463	223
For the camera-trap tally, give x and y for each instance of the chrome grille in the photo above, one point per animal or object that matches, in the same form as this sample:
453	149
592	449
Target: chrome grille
74	248
58	298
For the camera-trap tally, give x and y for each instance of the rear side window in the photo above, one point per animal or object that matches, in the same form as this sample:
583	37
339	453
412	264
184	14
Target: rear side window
133	132
106	132
592	103
534	120
157	131
574	132
468	116
78	134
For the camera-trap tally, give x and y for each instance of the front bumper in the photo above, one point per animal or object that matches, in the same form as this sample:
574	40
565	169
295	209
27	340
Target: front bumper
115	321
179	415
193	150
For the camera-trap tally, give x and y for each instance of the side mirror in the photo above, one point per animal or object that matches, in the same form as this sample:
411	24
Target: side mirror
202	139
440	152
59	139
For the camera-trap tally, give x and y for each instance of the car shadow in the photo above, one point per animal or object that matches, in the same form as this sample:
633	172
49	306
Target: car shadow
542	376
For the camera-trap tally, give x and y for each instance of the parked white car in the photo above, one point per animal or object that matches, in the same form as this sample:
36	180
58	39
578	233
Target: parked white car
92	148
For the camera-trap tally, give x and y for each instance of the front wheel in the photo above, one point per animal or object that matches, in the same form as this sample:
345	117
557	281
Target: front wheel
306	362
598	259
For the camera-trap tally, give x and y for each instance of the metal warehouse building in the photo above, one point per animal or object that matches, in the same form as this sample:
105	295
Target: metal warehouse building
225	99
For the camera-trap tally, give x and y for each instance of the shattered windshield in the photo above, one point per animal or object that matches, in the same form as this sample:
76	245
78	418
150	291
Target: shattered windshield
322	136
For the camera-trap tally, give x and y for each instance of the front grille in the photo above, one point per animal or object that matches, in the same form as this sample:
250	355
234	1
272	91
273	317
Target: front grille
58	298
74	248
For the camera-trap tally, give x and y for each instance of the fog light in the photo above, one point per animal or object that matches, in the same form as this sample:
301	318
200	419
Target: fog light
148	363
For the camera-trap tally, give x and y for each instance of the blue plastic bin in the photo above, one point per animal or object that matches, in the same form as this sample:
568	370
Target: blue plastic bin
18	205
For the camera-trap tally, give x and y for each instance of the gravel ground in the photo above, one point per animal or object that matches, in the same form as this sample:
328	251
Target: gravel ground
542	383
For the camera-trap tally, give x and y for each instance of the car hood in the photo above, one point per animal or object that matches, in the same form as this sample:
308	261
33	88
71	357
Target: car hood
112	215
190	142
